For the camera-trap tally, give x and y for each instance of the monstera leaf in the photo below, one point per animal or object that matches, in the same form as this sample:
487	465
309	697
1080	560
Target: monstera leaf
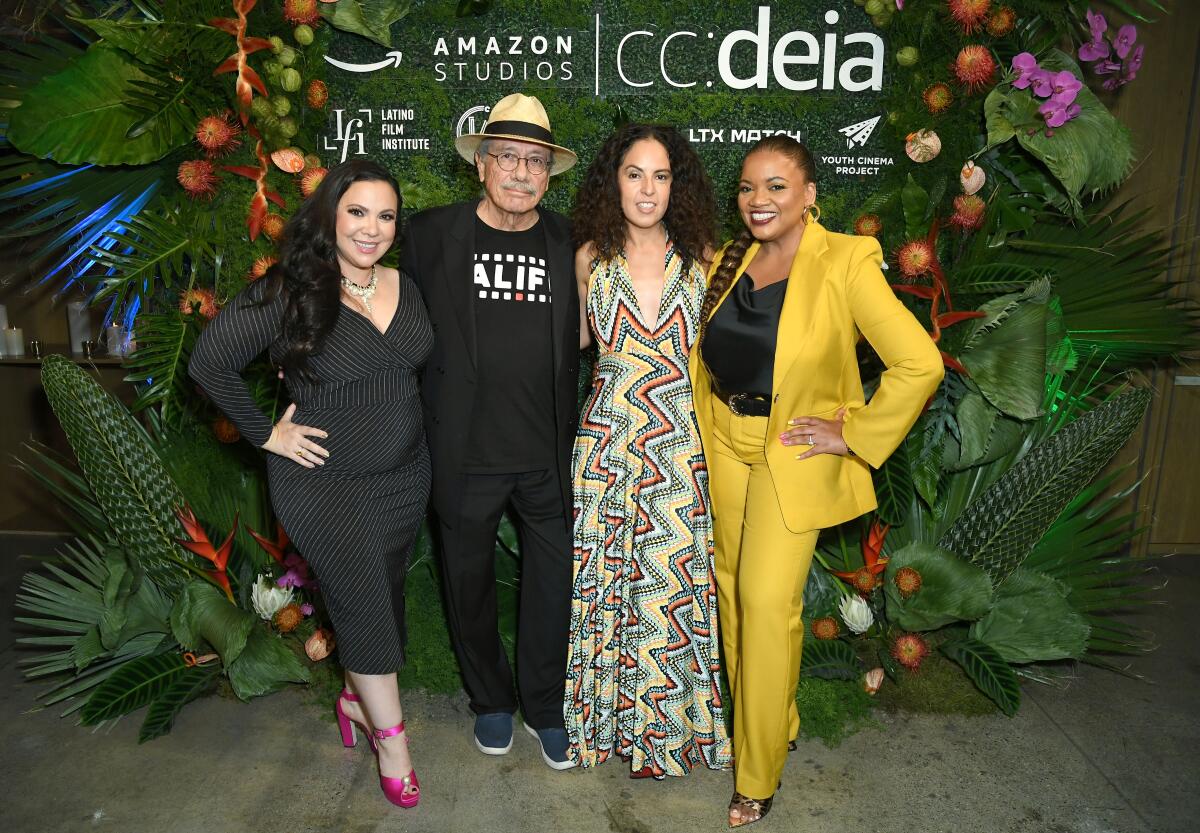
87	112
372	19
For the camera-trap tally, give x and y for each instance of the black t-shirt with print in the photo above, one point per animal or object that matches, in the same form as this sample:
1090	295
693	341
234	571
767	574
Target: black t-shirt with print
512	427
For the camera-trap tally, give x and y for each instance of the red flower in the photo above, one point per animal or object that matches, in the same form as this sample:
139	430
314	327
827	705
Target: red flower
218	135
868	225
198	300
975	68
969	14
272	226
915	258
198	543
968	212
310	180
825	628
260	267
199	178
910	650
317	94
1002	21
908	581
277	549
937	98
866	578
301	11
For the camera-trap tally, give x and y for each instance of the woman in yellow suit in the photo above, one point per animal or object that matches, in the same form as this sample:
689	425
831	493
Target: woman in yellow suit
787	436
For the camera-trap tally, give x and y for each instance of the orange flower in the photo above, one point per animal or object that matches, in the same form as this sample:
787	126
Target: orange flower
866	578
198	543
277	548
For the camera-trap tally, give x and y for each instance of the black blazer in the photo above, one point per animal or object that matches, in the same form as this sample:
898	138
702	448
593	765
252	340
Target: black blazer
438	255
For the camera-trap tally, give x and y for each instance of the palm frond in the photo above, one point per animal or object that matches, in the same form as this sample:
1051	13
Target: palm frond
164	347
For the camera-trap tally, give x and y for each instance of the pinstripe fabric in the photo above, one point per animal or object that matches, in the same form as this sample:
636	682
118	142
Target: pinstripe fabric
642	673
355	519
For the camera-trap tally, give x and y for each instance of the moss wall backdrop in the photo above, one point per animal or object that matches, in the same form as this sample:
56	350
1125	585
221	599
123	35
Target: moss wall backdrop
724	74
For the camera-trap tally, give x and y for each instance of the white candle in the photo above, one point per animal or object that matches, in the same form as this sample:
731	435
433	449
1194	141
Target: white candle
79	326
114	340
14	342
3	326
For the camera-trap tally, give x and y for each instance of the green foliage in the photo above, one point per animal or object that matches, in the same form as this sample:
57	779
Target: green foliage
1088	155
1006	352
1006	522
87	113
165	341
202	617
372	19
1031	620
829	659
988	670
122	469
939	687
134	685
894	488
266	664
951	589
832	710
186	686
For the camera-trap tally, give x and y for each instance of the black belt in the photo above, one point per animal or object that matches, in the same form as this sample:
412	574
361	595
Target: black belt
746	404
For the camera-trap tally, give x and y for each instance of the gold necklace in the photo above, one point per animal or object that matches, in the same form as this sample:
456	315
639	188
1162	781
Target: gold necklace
362	293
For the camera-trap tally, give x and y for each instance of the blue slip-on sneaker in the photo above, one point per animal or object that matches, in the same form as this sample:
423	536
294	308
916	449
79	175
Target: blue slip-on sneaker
493	733
554	746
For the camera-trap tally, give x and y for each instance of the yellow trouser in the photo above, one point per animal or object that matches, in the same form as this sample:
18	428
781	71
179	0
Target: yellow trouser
761	569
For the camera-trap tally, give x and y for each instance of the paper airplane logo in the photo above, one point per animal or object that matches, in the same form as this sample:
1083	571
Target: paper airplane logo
858	134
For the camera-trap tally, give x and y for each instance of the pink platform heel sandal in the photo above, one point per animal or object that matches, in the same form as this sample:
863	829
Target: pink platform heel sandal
346	725
394	788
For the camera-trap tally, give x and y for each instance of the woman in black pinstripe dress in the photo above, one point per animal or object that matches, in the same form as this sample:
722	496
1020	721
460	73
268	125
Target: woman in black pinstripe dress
348	468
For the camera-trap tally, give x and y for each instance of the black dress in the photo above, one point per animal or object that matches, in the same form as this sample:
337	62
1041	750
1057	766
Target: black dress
356	518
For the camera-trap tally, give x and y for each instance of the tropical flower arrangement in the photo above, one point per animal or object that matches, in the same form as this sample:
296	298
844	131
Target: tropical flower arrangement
153	155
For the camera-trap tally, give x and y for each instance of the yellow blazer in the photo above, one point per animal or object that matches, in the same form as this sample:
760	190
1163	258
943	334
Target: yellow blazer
835	291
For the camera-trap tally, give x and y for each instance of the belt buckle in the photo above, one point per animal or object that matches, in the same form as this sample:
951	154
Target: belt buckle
732	403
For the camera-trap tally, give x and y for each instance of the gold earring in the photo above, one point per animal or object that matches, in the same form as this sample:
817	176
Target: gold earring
812	213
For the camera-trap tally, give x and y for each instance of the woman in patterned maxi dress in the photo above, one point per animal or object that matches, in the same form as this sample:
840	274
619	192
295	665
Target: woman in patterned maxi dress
643	665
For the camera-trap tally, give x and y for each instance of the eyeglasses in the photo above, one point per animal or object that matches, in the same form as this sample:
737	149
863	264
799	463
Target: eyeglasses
508	162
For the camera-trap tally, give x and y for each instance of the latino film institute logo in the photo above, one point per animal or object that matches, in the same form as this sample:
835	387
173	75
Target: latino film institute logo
859	133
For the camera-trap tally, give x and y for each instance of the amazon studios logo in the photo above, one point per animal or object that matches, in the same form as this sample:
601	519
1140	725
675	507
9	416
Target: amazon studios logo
631	61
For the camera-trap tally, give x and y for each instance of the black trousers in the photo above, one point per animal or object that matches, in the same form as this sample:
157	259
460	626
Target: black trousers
468	546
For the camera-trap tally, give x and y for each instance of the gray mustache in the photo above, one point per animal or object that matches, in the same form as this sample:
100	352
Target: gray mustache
523	187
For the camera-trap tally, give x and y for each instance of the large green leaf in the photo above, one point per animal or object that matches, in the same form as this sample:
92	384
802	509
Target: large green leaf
999	529
976	421
993	676
1006	352
123	469
372	19
159	40
183	689
84	114
830	659
202	614
266	665
133	685
915	201
951	589
1031	620
822	592
894	488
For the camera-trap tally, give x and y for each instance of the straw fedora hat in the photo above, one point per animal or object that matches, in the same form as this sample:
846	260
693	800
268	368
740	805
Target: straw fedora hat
519	117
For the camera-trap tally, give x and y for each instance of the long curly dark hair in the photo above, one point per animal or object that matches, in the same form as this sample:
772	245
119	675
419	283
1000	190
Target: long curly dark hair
307	274
691	211
736	250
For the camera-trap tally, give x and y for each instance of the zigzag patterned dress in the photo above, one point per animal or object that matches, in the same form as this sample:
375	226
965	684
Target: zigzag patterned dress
643	668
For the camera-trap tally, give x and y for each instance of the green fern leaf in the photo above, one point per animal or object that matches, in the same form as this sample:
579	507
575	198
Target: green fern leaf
991	674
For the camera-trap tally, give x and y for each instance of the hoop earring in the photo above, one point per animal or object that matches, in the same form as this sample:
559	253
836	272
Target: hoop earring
812	213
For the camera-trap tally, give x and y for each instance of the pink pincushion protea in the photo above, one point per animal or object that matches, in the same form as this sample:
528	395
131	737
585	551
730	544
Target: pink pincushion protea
915	258
868	225
968	212
969	14
1001	22
301	11
910	650
218	135
272	226
937	98
310	180
198	300
825	628
198	178
975	68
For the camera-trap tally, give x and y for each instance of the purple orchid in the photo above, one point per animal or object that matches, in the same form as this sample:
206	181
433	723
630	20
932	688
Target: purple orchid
1043	82
306	609
297	574
1097	47
1065	85
1107	67
1123	42
1058	111
1024	65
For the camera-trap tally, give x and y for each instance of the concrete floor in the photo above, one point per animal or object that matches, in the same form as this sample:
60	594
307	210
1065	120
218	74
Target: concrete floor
1106	755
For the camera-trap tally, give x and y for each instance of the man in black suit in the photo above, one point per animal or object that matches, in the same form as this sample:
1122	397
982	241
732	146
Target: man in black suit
500	409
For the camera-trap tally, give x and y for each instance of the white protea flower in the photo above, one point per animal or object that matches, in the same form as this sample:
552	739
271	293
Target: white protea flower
268	598
856	613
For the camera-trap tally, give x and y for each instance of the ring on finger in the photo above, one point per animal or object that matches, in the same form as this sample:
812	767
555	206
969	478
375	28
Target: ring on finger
300	452
811	440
